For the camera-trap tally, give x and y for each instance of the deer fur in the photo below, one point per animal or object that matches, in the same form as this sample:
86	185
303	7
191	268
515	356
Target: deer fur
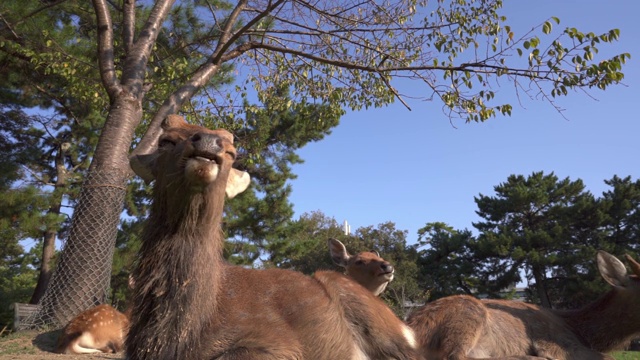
463	327
190	304
101	328
367	268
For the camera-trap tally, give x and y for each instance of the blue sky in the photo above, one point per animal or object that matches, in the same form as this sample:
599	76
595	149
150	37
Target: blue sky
415	167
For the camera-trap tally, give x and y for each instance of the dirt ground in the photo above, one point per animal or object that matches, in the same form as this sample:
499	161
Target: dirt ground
29	345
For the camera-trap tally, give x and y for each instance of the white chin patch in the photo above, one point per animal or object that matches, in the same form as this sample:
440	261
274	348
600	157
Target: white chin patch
388	277
200	170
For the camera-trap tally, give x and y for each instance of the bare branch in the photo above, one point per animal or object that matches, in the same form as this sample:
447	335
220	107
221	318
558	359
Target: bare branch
229	38
129	20
230	23
135	66
105	48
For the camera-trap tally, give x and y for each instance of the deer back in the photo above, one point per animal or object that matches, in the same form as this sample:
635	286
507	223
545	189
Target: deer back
461	327
377	330
101	328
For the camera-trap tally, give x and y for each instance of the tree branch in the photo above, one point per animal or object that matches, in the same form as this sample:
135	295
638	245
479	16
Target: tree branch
105	49
129	22
229	38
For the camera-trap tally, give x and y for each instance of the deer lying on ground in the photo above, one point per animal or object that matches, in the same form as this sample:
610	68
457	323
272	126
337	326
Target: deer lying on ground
367	268
463	327
101	328
190	304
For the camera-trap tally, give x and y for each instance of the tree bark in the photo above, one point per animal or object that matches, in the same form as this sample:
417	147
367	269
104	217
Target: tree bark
48	251
538	275
49	238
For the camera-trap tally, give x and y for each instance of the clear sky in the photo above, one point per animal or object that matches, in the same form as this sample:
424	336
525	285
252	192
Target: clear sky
415	167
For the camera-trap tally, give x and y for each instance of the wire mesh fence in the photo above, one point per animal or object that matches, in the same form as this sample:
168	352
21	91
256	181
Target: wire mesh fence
82	275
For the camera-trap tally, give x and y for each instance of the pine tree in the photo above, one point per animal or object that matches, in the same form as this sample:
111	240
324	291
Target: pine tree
621	206
447	261
533	225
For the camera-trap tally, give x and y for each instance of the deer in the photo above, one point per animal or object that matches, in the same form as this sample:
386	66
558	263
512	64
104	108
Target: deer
463	327
101	328
191	304
367	268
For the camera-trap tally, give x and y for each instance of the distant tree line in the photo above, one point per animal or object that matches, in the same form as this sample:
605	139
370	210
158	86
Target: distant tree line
537	229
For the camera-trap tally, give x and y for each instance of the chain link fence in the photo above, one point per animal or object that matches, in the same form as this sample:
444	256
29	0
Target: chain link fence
82	276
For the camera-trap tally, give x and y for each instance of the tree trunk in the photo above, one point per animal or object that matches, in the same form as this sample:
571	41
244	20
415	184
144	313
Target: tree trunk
49	239
48	250
538	275
83	274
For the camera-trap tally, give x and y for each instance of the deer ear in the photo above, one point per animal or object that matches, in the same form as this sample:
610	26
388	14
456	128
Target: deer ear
237	183
338	252
142	165
612	269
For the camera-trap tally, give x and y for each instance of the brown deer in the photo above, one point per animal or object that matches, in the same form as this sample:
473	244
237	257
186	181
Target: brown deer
190	304
101	328
367	268
463	327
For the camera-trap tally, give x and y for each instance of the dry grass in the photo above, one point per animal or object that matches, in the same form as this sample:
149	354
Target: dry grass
30	345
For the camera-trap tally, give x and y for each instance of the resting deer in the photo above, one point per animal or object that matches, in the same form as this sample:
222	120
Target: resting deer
367	268
101	328
190	304
463	327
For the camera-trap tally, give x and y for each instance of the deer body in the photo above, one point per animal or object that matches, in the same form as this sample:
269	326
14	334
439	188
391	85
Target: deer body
189	304
101	328
463	327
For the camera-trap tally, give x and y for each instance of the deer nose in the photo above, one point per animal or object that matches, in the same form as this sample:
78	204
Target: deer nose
206	143
386	267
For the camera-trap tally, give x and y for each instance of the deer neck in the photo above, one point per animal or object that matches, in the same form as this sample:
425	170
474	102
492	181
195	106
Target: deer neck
603	325
377	289
180	269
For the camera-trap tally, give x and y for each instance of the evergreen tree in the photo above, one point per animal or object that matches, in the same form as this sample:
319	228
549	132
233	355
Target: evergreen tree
534	225
301	244
447	263
621	208
268	140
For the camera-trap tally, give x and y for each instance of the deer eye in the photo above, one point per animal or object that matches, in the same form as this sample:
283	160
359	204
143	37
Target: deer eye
165	142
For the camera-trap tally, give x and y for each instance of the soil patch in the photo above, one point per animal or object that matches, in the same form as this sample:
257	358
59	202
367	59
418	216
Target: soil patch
31	345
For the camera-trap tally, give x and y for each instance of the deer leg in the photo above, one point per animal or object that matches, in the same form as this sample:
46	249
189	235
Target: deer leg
108	349
257	354
552	350
263	348
459	340
523	357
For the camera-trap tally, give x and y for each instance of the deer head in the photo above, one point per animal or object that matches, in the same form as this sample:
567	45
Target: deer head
98	329
366	268
204	156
